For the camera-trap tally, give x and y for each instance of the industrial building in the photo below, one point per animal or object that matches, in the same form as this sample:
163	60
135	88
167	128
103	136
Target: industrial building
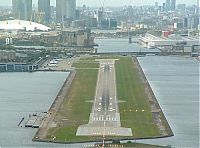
70	38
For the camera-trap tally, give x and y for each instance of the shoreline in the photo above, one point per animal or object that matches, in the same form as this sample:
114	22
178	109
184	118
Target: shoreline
100	140
47	123
153	101
165	129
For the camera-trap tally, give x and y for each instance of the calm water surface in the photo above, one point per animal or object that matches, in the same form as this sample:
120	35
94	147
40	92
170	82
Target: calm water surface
119	45
175	82
22	94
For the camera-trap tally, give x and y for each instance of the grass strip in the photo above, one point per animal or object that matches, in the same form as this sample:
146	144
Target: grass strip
86	64
75	109
135	112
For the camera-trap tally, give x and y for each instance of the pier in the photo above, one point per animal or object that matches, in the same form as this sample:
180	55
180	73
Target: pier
35	120
32	119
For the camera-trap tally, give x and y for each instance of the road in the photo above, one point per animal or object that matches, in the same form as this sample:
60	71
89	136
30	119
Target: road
105	118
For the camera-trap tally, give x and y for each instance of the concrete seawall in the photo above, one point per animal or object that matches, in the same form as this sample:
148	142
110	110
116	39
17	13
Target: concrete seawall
48	122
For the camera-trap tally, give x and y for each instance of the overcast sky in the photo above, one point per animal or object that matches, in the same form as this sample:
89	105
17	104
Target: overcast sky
110	2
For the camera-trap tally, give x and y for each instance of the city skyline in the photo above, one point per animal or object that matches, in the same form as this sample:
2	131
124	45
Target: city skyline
109	2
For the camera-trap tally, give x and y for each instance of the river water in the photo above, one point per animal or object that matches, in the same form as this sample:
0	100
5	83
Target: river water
22	94
175	82
120	45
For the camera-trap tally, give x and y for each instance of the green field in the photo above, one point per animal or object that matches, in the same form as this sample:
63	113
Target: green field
76	107
86	64
135	111
75	110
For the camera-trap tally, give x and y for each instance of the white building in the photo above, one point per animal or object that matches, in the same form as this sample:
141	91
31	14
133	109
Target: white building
22	25
172	40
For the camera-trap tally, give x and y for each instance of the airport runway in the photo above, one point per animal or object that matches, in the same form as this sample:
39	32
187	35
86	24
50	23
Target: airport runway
105	118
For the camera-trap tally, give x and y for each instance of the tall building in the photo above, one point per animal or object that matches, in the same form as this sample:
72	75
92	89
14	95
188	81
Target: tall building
65	9
22	9
181	8
156	4
173	4
44	7
100	15
167	5
71	8
185	22
60	9
163	7
197	10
